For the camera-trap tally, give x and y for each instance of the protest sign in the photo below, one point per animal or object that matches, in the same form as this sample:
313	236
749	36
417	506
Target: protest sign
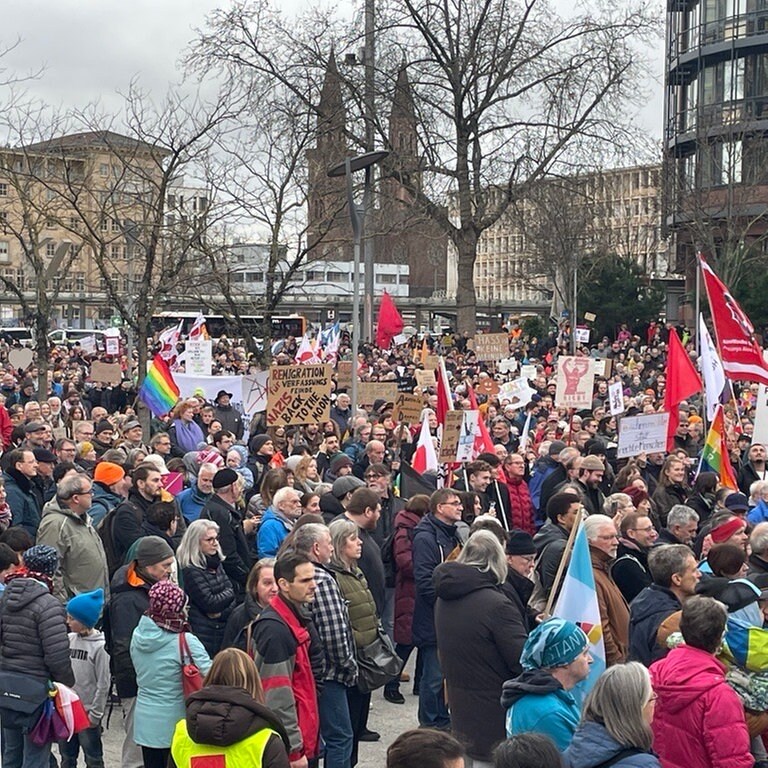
368	392
298	394
449	443
582	335
490	346
528	371
642	434
508	365
209	386
431	362
112	345
22	358
255	392
425	378
760	432
603	367
516	393
590	317
198	357
575	380
616	398
408	408
344	374
106	373
487	386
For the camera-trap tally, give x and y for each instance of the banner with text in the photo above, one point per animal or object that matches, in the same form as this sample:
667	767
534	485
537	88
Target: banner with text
642	434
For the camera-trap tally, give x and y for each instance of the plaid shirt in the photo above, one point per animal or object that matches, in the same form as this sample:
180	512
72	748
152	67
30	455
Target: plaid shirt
331	618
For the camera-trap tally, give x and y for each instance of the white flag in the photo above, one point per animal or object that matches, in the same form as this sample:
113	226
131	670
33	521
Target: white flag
711	370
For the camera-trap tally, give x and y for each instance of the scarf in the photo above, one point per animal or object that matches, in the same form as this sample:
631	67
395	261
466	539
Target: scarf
24	573
188	435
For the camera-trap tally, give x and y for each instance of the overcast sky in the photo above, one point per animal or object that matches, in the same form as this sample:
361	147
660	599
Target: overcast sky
90	49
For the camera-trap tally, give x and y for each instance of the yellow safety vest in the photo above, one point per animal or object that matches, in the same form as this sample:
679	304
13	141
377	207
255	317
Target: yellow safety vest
247	753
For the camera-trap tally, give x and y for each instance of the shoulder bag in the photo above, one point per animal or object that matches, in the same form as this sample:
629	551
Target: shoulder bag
377	663
191	679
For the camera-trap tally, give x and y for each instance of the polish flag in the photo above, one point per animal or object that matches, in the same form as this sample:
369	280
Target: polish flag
425	457
444	401
483	442
306	353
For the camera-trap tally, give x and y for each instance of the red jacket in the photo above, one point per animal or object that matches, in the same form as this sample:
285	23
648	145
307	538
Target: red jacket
6	428
405	586
699	719
521	508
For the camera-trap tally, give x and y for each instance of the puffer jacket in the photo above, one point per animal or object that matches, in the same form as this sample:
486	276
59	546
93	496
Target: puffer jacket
472	611
82	561
130	601
227	721
21	500
211	598
646	614
33	632
699	719
405	587
360	605
665	497
592	746
521	511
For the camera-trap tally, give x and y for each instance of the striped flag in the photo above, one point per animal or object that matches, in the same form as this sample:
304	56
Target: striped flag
424	457
159	391
714	455
329	343
578	603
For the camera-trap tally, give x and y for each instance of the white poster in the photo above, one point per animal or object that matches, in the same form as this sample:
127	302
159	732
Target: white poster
642	434
575	382
198	357
582	335
470	430
760	433
516	393
616	398
255	392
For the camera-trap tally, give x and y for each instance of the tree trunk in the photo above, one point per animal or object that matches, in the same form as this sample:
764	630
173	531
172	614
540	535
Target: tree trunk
466	298
42	348
143	332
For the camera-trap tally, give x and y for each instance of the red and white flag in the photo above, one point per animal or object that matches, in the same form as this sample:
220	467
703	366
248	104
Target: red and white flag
483	442
306	353
199	331
740	353
444	401
168	339
425	456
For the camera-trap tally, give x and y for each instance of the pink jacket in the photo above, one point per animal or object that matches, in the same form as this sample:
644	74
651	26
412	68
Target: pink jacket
699	719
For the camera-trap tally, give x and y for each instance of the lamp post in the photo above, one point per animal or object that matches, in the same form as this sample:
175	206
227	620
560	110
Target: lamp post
357	212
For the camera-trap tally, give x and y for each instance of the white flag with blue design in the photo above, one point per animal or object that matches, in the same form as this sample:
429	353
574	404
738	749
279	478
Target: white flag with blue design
578	603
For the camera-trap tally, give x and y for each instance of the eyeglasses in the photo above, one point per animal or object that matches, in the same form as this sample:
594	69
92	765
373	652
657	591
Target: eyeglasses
211	539
453	503
609	537
647	529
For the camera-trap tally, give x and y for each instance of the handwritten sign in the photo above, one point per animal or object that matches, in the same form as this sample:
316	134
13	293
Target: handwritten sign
528	371
575	381
453	429
368	392
408	408
642	434
616	398
106	373
425	378
603	367
490	346
298	394
516	393
198	357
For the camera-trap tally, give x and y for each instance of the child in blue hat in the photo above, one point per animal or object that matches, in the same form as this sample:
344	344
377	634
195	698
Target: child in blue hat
90	663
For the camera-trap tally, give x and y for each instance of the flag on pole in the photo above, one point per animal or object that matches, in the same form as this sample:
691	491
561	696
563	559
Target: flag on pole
389	323
741	354
199	330
168	339
329	343
159	390
578	603
483	442
682	381
444	401
526	436
306	353
425	457
711	370
714	455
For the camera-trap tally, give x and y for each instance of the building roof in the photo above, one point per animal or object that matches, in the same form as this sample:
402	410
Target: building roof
106	140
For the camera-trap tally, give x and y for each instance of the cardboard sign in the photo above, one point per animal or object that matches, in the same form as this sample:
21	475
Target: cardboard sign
459	433
431	362
344	374
425	378
298	394
590	317
616	398
575	382
198	357
368	392
106	373
487	386
642	434
490	346
603	367
408	408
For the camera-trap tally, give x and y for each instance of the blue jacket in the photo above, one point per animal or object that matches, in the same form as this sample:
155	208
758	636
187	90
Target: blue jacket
104	501
433	541
160	702
758	513
272	531
191	503
536	702
21	500
646	613
592	745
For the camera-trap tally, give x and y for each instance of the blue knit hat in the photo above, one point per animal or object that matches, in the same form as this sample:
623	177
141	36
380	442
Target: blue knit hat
86	607
554	643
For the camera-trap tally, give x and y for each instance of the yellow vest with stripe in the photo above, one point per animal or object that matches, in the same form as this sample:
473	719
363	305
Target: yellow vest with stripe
248	753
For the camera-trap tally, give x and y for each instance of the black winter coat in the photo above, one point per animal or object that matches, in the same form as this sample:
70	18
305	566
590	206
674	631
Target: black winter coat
473	612
648	610
33	632
240	617
126	523
232	539
129	601
211	594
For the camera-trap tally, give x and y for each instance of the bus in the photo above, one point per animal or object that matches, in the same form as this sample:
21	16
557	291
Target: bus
283	326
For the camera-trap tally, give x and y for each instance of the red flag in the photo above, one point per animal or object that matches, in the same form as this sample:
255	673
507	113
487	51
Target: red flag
682	381
483	442
389	322
741	354
444	401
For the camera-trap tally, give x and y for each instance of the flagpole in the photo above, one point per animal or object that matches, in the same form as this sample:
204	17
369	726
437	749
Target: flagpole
563	562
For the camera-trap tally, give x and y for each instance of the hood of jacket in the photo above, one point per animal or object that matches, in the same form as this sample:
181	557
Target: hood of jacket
222	715
54	507
456	580
591	746
532	681
21	592
652	601
548	533
127	578
148	637
684	675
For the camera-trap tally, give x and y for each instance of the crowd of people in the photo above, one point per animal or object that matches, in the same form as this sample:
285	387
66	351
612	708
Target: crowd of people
293	572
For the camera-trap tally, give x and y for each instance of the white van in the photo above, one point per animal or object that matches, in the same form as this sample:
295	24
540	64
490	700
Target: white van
66	336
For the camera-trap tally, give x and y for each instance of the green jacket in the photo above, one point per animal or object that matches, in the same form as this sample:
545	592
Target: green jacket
82	562
361	607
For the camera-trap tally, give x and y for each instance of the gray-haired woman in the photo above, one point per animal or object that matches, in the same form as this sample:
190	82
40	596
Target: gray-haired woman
473	612
210	591
615	724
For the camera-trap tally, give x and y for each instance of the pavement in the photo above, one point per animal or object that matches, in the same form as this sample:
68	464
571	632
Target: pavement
390	720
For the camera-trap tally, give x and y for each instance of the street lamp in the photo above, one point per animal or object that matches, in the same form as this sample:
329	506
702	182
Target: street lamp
357	212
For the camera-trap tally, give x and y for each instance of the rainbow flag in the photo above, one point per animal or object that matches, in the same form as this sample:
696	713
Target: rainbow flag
159	390
714	455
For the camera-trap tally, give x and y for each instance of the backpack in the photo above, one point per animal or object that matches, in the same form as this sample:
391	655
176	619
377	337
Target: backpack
388	554
617	758
105	531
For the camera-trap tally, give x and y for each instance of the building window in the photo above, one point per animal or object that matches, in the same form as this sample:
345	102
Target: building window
50	250
80	281
104	170
388	279
115	225
3	189
338	277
